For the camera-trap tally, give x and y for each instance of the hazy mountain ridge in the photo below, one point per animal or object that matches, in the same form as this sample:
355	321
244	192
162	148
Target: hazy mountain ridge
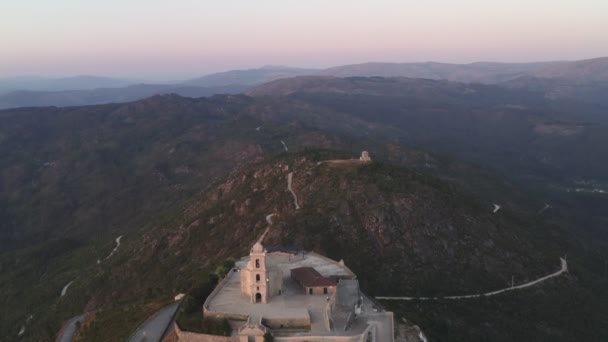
568	74
82	82
108	95
595	69
248	77
479	72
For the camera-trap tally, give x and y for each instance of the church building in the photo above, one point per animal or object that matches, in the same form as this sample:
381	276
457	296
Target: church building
259	279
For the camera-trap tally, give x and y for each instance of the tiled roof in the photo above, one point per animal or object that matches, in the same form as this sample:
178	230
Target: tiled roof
309	277
285	249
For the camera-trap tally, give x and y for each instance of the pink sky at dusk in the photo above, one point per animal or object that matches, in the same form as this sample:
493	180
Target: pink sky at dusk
180	39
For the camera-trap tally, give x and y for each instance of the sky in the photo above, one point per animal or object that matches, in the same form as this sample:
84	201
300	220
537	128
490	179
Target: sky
165	40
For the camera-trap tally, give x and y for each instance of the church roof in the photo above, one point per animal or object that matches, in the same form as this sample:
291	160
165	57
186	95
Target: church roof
309	277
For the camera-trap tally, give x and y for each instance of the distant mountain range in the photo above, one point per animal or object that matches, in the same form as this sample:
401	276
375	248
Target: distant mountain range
480	72
249	77
67	98
82	82
555	78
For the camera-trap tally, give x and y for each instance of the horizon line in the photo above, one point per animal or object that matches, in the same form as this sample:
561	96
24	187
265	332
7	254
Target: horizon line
140	80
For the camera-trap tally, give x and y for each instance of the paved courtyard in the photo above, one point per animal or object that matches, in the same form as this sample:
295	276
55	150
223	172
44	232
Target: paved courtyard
294	302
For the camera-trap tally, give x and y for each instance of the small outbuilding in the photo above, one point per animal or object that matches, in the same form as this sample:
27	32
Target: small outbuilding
312	281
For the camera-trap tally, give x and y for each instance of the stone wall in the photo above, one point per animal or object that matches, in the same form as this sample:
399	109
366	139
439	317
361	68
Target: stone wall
176	334
218	287
287	323
329	309
341	262
356	338
217	314
320	290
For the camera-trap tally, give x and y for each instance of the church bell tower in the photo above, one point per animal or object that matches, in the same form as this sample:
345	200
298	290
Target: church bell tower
255	276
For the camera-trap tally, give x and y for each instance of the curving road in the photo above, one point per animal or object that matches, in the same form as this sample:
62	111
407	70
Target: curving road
563	269
284	146
269	218
68	332
64	290
496	208
153	328
295	197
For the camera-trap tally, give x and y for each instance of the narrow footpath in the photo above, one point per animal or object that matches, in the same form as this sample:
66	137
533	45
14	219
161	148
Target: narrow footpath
269	220
115	248
295	197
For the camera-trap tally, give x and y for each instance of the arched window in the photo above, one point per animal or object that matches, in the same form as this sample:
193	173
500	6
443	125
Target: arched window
257	263
257	277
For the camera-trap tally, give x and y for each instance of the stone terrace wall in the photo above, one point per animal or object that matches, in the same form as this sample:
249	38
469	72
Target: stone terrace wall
333	261
176	334
217	314
356	338
287	323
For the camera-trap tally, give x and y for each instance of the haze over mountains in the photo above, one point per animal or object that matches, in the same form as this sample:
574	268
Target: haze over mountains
85	90
181	178
56	84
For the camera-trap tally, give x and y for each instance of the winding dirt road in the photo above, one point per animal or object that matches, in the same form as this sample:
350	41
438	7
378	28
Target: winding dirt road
295	197
269	218
115	248
67	333
64	290
563	269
